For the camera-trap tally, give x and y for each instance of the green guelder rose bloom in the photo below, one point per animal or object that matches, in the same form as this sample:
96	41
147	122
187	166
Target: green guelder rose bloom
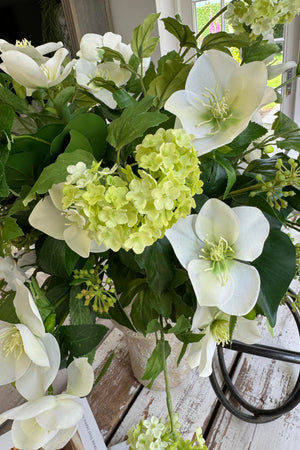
28	356
214	324
219	99
215	248
51	421
34	74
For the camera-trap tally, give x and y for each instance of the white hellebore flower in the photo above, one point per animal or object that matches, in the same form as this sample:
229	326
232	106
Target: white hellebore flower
32	74
215	247
49	217
219	99
91	44
36	53
51	421
11	273
214	324
28	355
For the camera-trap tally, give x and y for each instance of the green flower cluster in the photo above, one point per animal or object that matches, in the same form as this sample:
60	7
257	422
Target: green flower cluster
261	15
133	210
99	290
275	189
154	435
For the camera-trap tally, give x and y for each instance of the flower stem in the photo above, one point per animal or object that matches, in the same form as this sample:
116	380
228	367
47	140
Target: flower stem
167	386
241	191
213	19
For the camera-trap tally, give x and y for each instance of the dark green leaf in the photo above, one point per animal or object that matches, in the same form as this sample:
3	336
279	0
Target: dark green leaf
81	339
190	337
230	171
283	124
79	313
52	257
131	290
142	312
182	324
153	326
232	324
182	32
44	306
243	140
182	353
259	51
18	104
155	364
7	116
62	99
104	368
7	309
276	266
118	314
11	229
222	40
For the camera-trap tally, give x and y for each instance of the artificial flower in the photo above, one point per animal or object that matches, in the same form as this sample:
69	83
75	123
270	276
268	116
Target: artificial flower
91	46
36	53
219	99
29	73
215	247
28	356
86	71
10	272
49	217
214	324
51	421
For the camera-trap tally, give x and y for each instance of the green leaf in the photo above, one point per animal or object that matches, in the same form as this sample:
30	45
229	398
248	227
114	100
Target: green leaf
153	326
163	303
118	314
155	364
171	79
190	337
78	141
232	324
230	171
259	51
52	257
123	98
7	309
11	229
157	260
62	99
141	44
283	124
44	306
131	290
243	140
276	266
7	116
19	105
79	313
183	33
57	172
142	312
81	339
222	40
133	123
182	353
104	368
182	324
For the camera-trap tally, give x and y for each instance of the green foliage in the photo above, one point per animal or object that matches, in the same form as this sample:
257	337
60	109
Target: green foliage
230	171
222	41
183	33
56	258
258	51
141	43
155	363
79	340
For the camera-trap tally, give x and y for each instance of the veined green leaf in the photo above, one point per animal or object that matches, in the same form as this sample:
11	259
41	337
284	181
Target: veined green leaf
142	44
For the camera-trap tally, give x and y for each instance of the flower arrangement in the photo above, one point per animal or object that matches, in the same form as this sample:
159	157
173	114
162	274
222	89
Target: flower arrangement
156	186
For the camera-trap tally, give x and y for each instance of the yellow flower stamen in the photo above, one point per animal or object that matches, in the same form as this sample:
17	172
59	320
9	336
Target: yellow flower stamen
218	255
220	331
218	108
23	43
12	342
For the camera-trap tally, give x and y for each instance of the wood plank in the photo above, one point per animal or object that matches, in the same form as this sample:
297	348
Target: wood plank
264	383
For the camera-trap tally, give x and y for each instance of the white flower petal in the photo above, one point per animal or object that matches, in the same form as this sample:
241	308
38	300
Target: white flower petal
208	288
33	346
12	368
254	230
27	310
80	377
24	69
66	414
78	240
201	354
184	240
30	409
10	272
60	439
274	70
34	383
215	220
65	72
246	331
203	316
95	248
53	65
49	47
57	195
28	435
247	286
48	219
89	46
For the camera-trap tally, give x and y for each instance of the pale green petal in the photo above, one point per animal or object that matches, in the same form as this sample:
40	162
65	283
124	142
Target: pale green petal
57	195
33	346
201	354
184	240
246	289
60	439
48	219
268	97
12	368
207	286
80	377
34	383
95	248
66	414
27	310
78	240
215	220
24	69
28	435
246	331
254	230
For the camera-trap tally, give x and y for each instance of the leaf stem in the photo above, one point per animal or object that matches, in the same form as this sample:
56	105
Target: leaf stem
167	386
33	138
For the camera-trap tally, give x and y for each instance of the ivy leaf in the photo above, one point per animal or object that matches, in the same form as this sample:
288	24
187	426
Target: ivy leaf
11	229
79	340
142	44
155	364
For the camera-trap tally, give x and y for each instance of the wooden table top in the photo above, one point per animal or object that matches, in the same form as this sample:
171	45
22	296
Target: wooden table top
119	401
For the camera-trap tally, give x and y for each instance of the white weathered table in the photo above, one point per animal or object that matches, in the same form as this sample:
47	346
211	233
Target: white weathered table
119	401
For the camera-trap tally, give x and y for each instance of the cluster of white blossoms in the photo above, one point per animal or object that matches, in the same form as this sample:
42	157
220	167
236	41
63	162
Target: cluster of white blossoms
97	209
261	15
30	358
